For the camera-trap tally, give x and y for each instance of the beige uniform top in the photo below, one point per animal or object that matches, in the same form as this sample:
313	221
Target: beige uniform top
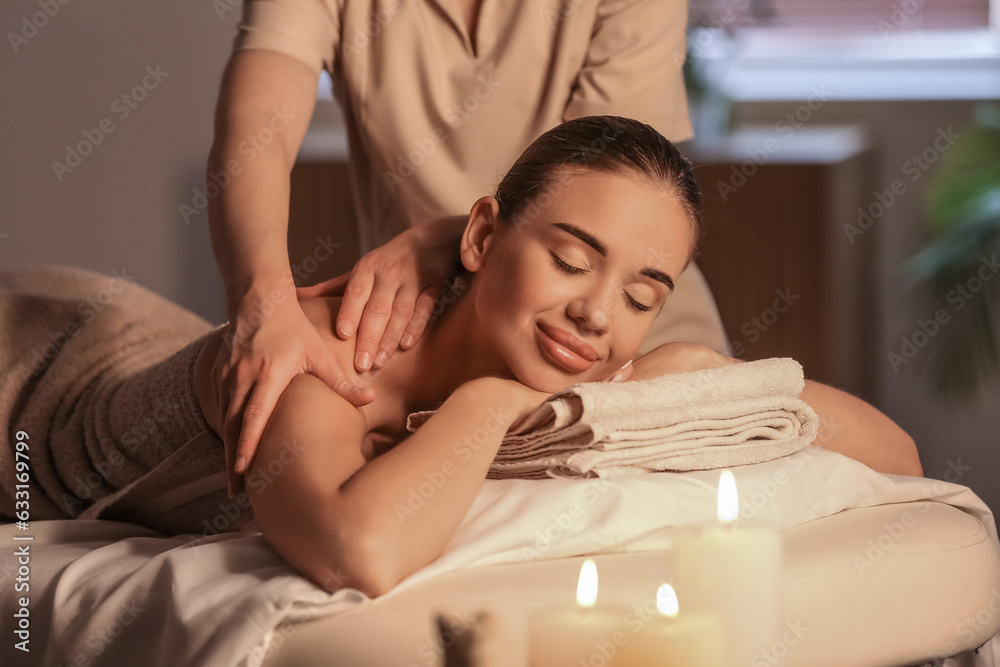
435	118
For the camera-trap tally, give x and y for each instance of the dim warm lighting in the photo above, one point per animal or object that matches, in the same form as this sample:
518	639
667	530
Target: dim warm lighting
586	588
729	502
666	600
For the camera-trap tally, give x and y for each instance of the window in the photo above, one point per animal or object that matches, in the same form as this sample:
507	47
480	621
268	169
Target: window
845	16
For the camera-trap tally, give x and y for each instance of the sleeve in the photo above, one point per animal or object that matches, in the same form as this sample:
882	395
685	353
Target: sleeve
634	66
307	30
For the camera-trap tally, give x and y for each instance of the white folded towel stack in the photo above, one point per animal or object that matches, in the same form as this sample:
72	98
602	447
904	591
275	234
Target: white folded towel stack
714	418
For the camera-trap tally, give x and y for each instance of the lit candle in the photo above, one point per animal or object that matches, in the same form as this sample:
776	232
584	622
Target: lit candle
674	639
586	635
734	573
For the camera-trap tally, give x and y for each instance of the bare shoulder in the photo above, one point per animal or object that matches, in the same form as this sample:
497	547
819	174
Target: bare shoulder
322	312
314	430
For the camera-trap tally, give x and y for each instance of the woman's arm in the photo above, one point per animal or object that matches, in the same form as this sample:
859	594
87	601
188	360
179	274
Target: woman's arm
854	428
849	426
344	522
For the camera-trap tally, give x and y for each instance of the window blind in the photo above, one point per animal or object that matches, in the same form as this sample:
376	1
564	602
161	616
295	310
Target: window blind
834	16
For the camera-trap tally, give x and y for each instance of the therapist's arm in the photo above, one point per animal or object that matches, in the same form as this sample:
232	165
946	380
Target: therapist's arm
265	104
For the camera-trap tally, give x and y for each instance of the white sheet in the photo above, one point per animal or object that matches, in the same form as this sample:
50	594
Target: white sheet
109	592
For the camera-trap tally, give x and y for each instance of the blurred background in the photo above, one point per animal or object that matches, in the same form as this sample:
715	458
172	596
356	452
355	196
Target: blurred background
835	142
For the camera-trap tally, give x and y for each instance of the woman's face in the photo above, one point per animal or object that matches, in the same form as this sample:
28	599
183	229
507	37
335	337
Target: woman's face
566	293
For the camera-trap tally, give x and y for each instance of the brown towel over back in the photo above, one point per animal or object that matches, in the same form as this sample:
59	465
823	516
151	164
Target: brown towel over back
98	373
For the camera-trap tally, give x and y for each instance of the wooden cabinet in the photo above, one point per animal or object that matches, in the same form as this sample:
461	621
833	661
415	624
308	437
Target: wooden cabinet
321	215
788	278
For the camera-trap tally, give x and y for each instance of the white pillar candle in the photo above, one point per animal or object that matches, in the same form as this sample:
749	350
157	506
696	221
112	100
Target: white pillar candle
734	573
674	638
577	637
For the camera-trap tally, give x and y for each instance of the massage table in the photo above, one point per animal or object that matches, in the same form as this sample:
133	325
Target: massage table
878	570
839	611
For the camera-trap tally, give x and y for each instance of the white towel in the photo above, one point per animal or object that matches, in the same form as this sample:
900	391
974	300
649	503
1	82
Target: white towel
714	418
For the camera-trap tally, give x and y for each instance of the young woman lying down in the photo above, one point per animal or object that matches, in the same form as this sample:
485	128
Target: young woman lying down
566	267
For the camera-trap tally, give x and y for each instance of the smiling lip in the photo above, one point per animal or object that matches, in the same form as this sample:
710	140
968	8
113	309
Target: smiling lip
566	349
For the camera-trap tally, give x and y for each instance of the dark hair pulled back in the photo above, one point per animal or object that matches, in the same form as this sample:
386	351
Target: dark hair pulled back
610	144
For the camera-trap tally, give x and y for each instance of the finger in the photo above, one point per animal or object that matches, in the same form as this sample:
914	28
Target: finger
327	369
356	296
372	326
624	373
423	310
231	417
402	312
356	394
256	414
331	287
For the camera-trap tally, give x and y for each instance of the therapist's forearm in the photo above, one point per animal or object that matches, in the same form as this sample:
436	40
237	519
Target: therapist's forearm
248	219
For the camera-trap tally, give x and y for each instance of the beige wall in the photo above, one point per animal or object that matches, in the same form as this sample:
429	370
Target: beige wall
119	207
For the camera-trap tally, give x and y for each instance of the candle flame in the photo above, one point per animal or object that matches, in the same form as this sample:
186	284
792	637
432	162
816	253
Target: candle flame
729	501
666	600
586	588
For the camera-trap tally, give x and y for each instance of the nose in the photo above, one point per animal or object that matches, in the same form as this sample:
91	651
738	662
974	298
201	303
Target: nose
590	312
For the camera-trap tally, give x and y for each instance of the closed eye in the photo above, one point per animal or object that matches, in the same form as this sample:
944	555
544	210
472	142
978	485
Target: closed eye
564	266
638	306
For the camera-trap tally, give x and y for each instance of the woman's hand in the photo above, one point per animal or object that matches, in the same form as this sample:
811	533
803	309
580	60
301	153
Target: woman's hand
390	294
268	341
678	358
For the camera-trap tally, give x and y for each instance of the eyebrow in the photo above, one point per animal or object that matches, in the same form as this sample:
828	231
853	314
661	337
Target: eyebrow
583	236
659	276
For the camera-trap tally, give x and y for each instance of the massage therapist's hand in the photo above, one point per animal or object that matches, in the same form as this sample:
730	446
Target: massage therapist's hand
269	341
678	357
390	294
